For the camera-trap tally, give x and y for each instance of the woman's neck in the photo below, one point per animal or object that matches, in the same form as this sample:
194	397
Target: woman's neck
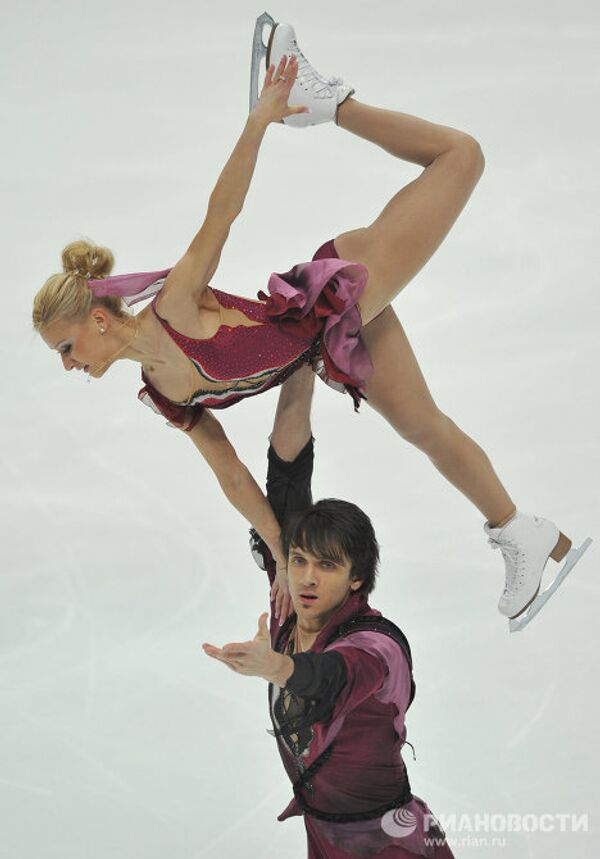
144	346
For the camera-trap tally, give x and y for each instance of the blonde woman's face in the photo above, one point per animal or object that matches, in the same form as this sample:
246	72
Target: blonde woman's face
80	345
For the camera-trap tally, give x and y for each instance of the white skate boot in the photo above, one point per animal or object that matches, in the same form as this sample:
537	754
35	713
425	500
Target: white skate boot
526	543
321	95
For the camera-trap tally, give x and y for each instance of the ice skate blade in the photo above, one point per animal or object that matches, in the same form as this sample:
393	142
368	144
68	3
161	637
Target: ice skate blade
259	51
518	623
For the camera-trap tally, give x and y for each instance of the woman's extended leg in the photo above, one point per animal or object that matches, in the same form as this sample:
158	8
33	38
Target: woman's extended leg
394	248
398	391
416	220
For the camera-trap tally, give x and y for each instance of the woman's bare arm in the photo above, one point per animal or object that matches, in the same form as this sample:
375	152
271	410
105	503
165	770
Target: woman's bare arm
236	481
197	266
244	493
191	275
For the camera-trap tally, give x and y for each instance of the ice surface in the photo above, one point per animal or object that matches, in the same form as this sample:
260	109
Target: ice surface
119	738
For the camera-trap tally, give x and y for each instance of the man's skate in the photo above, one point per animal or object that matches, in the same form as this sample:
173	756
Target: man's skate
310	89
526	543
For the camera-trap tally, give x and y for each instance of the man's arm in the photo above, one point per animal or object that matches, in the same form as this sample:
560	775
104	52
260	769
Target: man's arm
292	426
337	680
290	458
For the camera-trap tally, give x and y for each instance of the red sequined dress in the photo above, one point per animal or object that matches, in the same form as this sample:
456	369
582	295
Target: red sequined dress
310	316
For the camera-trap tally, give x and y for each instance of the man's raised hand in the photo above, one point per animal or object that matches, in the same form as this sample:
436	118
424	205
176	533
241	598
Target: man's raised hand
254	658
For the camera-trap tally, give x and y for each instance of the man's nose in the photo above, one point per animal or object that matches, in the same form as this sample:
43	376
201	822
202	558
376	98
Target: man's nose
310	574
67	362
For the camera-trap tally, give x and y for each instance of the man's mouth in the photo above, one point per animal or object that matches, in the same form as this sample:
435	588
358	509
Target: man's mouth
307	597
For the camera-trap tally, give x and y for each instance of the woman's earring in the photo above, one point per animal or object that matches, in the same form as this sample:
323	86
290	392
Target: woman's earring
101	330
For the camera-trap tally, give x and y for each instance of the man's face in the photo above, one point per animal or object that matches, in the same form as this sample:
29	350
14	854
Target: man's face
318	586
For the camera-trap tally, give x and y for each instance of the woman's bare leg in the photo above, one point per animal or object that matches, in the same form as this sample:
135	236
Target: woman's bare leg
394	248
417	219
398	391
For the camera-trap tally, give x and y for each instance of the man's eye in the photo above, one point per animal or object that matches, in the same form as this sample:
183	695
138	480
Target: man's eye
66	349
327	564
297	560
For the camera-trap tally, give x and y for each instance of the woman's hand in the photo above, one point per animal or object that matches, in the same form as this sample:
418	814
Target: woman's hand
272	106
281	595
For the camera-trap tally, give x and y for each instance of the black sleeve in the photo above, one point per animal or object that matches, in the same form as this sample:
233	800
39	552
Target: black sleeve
289	483
288	491
318	676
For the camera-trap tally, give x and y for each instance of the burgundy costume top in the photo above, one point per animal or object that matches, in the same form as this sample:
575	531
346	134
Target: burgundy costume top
310	315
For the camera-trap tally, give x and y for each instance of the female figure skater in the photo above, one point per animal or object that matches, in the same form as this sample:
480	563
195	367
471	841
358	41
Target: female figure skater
202	349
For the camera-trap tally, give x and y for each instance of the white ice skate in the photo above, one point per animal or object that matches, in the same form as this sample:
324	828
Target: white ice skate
321	95
526	543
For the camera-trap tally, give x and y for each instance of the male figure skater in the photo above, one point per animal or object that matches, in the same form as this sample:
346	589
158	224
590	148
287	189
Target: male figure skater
340	674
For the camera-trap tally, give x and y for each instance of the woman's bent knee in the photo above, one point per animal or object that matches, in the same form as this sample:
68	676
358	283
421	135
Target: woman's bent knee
472	154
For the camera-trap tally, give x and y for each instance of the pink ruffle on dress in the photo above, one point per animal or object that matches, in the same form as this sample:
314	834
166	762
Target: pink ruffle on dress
320	297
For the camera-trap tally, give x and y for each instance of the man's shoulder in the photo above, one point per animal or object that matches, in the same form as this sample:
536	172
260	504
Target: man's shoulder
371	630
382	640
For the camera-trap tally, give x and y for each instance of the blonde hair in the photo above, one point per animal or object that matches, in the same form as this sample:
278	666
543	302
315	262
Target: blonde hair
67	295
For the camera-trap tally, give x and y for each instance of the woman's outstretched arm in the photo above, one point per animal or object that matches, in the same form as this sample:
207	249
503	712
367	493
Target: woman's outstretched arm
245	495
232	186
195	269
189	277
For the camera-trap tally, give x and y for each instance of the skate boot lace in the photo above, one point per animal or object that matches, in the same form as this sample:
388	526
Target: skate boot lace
320	86
512	559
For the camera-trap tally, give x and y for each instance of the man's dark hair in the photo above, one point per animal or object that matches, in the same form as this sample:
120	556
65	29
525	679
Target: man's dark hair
339	531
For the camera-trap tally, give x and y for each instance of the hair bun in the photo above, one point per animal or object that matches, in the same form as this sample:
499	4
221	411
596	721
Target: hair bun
89	260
